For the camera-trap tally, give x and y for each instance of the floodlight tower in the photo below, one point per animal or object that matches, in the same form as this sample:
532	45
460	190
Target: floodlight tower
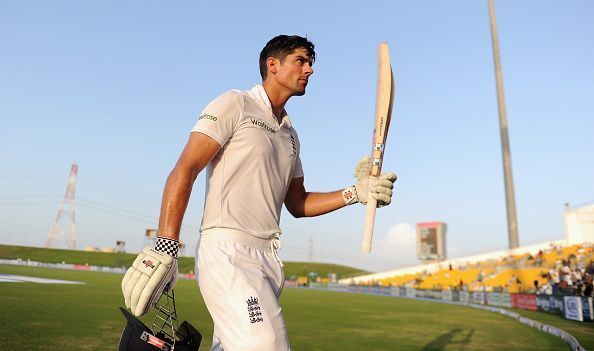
512	221
66	210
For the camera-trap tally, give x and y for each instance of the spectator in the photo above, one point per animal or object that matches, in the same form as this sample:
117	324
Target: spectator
545	289
539	258
588	286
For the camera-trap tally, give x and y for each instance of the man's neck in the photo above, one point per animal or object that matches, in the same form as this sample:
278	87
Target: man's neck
278	98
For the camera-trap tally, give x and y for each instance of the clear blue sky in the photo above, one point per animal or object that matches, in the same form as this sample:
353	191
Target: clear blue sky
117	86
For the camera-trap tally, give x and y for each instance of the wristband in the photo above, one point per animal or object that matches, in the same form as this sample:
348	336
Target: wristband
167	246
349	195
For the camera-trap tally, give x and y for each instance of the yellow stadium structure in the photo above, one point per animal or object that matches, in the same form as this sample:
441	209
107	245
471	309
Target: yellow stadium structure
523	272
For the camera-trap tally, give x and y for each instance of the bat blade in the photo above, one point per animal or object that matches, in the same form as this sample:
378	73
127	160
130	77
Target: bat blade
383	115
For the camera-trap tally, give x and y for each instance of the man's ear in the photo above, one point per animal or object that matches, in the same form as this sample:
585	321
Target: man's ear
272	64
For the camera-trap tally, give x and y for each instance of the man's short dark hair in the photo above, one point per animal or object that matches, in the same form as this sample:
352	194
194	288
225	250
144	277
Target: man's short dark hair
281	46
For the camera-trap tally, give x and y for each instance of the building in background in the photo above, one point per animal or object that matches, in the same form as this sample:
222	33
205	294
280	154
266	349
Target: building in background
579	224
150	237
431	241
120	246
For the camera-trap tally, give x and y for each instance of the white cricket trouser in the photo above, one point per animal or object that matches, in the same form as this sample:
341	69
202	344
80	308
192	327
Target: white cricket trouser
241	277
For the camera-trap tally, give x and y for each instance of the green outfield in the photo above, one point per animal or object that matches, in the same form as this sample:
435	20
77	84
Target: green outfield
85	317
186	264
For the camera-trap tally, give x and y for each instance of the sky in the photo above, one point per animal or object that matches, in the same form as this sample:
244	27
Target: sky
117	86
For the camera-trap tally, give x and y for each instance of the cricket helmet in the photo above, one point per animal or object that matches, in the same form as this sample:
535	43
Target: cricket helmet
165	334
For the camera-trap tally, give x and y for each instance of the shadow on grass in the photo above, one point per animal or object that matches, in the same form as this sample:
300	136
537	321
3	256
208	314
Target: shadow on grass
442	341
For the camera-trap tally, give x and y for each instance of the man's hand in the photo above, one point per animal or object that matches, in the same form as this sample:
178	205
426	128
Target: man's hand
379	187
153	271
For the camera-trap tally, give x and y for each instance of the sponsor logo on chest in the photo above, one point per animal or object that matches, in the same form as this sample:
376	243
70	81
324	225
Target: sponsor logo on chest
259	123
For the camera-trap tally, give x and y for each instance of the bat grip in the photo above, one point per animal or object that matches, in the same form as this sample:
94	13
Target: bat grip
369	223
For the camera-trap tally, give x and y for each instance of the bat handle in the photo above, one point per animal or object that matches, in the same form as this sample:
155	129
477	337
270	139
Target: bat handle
369	222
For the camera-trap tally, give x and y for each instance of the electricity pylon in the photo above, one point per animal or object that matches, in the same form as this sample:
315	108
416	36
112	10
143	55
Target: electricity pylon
66	215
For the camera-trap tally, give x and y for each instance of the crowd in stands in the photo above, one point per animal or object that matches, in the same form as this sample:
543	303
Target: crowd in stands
571	276
567	270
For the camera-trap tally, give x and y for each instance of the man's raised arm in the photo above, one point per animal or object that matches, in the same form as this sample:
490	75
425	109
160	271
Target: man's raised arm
301	203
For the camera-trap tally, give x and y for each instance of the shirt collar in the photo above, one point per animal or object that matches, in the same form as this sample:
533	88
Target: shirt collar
260	93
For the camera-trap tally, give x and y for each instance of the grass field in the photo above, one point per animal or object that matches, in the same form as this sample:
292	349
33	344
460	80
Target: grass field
186	264
85	317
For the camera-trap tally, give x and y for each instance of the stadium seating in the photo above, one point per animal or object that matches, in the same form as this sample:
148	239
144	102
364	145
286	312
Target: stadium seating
519	273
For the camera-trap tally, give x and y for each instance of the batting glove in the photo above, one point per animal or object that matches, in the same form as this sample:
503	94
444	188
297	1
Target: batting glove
153	271
378	187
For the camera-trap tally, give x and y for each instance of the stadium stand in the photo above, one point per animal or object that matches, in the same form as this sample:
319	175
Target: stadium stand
554	269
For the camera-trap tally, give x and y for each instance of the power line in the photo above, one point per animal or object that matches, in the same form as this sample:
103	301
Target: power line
131	215
27	202
120	191
30	184
23	176
113	193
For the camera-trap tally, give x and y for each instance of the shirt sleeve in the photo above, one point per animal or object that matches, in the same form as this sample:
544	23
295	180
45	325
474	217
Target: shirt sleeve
298	170
220	117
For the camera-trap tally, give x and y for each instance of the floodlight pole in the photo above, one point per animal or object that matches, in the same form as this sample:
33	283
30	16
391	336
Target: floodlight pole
512	222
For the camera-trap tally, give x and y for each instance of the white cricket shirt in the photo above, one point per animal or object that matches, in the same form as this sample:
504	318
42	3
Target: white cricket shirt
247	180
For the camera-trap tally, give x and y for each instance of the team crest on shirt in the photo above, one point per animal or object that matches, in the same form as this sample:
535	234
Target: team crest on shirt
261	124
254	310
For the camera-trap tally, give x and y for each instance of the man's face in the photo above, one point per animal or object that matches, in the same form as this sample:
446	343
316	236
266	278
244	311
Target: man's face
293	73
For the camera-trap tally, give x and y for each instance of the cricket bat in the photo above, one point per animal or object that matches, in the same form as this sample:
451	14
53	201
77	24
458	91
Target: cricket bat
383	114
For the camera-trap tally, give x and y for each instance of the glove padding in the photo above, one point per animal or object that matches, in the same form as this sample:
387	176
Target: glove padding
151	273
379	187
